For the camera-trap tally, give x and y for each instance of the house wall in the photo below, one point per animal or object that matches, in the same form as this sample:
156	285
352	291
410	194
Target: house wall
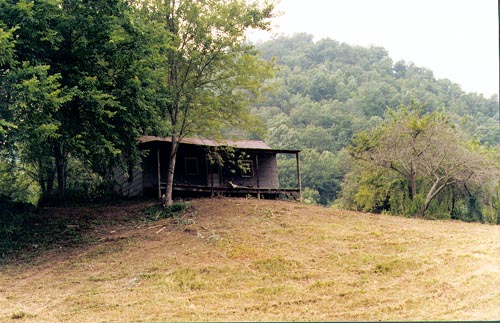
264	172
193	168
149	166
268	171
190	166
126	186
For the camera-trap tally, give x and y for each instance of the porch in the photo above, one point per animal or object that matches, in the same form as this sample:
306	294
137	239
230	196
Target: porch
249	169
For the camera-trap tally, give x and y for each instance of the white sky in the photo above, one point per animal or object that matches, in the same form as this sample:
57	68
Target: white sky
456	39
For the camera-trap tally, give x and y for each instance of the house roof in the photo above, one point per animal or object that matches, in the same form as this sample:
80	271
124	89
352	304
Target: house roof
242	144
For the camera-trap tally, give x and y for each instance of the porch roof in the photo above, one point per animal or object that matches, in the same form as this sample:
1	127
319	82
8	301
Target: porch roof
241	144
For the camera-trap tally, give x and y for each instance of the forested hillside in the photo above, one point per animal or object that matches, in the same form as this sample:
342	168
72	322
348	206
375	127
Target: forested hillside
327	92
79	82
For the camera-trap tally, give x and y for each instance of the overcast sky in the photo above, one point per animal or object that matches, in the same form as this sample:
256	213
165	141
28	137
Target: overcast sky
456	39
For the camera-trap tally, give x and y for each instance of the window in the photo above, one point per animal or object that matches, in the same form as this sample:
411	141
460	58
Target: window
246	168
191	166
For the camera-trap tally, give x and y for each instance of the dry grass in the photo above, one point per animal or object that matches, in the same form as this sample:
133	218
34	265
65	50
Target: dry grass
244	259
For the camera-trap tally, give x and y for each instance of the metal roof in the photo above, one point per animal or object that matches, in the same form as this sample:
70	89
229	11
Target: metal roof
242	144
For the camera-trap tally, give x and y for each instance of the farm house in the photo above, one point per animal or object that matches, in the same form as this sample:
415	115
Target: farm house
207	167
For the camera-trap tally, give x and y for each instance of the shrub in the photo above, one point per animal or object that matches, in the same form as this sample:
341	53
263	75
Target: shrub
23	226
157	212
12	216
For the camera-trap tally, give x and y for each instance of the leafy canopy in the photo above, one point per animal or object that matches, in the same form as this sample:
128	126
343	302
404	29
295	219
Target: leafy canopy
425	153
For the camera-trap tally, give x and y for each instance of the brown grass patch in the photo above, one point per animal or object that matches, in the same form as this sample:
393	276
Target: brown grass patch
245	259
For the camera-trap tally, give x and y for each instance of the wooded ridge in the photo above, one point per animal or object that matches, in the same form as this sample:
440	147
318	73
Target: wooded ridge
332	96
80	83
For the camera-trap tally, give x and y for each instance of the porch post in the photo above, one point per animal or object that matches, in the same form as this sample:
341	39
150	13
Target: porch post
209	170
258	174
299	181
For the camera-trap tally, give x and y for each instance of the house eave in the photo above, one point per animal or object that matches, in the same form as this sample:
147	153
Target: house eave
251	145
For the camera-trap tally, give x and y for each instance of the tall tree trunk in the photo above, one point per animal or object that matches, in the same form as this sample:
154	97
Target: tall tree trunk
168	199
453	202
51	174
46	177
173	108
42	181
60	170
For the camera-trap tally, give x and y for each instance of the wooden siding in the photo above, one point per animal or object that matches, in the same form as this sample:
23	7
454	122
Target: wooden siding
149	166
194	171
129	187
264	173
268	171
191	166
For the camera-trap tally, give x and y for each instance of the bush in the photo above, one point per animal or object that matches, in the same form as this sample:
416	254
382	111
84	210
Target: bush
15	183
22	226
157	212
12	217
310	196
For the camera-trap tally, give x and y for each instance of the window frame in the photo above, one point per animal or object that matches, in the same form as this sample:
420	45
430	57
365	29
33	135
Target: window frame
189	171
250	173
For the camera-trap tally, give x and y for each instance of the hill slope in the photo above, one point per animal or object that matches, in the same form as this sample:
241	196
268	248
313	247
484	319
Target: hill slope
327	91
245	259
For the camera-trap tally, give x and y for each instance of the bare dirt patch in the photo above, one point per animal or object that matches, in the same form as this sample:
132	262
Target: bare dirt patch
245	259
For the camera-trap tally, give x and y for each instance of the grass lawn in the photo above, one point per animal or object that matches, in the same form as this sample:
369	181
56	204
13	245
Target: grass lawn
255	260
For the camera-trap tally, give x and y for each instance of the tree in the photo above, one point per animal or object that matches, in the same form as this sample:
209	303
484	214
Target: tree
340	90
72	88
428	152
204	74
6	64
36	105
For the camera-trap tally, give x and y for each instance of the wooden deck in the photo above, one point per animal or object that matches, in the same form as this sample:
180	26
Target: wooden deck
270	193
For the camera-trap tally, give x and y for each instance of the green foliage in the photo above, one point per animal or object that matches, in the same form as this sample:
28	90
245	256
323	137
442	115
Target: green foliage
157	212
364	189
411	164
490	214
400	200
330	91
320	173
15	182
310	196
71	88
79	81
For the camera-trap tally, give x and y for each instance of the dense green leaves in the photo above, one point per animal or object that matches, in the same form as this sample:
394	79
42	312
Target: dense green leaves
330	97
70	87
424	155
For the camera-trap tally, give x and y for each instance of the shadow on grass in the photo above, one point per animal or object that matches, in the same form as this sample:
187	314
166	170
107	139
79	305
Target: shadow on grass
28	231
26	228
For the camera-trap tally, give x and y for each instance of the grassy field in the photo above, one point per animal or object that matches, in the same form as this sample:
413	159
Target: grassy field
245	259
